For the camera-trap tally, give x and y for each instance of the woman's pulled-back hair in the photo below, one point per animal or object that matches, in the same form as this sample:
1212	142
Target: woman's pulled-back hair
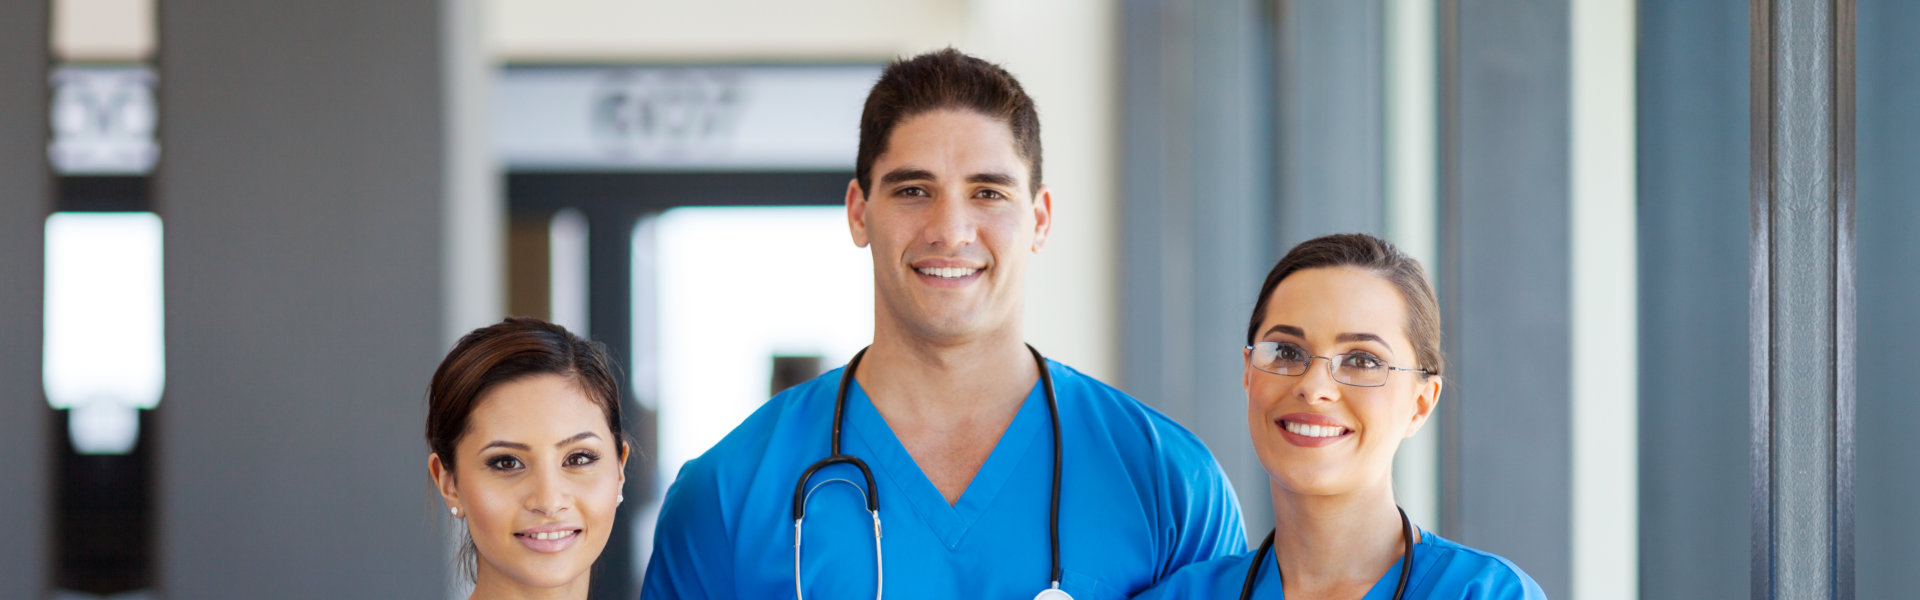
515	348
1376	256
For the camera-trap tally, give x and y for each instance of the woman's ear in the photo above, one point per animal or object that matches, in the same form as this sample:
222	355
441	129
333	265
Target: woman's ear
442	477
1424	403
624	452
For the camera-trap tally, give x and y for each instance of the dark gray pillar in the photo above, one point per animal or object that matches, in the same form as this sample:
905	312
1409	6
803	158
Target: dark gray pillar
1889	292
1196	210
25	198
1692	143
303	187
1505	276
1802	316
1331	96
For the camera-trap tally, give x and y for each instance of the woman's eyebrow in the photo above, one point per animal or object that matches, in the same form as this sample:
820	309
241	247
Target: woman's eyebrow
1287	329
506	444
576	437
1363	337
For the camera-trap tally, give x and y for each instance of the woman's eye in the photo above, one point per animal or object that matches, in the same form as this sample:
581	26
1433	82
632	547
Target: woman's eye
1290	353
503	463
581	459
1363	361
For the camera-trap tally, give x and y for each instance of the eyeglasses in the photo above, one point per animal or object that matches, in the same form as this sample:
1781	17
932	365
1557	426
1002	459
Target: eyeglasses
1358	369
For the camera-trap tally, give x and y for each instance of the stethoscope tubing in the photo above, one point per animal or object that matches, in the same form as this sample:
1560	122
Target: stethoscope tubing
834	457
1406	560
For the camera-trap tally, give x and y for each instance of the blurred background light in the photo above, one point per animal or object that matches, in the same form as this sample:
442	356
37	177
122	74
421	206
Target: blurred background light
104	352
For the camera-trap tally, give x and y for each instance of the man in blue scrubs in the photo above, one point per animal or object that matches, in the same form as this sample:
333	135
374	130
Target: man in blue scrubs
947	406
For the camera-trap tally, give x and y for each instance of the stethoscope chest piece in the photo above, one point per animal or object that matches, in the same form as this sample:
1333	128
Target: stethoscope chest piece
1053	594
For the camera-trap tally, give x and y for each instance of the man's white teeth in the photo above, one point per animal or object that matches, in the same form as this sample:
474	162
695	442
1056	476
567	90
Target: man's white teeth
948	272
1318	431
553	535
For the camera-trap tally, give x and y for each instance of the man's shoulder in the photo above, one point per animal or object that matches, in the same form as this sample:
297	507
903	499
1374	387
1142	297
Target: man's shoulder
1113	408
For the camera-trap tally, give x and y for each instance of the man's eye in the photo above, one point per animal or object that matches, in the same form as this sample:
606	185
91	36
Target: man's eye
503	463
991	195
917	192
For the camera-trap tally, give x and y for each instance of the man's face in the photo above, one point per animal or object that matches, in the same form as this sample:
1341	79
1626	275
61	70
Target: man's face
951	223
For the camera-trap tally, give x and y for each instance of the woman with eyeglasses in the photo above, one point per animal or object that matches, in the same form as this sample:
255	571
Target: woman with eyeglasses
1343	362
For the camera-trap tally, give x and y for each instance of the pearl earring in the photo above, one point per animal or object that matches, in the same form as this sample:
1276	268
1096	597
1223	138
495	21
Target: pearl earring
621	498
455	510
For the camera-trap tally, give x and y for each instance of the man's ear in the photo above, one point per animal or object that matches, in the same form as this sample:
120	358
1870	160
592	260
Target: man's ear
857	213
1042	217
442	478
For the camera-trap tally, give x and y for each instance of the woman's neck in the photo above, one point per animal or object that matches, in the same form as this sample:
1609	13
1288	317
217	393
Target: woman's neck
491	584
1329	546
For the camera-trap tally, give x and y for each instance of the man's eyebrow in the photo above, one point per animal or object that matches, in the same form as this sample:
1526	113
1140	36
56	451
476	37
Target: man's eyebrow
900	175
1002	179
584	435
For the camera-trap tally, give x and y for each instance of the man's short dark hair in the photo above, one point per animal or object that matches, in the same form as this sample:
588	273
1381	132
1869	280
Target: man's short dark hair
946	79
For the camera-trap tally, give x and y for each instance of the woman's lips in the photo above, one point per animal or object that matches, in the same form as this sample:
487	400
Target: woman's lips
1311	431
548	540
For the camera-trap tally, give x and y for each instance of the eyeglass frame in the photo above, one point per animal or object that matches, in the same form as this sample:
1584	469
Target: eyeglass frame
1331	362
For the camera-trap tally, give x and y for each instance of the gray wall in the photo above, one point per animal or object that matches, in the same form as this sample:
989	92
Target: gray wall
1693	168
1505	283
1331	98
1888	176
1196	214
302	188
25	198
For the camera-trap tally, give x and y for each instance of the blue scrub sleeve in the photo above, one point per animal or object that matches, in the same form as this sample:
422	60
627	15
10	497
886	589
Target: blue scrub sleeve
692	556
1207	512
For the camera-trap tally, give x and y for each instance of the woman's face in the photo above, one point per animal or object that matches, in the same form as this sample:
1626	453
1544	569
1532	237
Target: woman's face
1316	436
537	478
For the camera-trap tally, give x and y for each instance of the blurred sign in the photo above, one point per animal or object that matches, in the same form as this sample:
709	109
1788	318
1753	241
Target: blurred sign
104	119
676	119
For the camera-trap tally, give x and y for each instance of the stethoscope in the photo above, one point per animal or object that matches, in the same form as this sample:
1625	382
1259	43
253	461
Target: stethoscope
1406	560
801	493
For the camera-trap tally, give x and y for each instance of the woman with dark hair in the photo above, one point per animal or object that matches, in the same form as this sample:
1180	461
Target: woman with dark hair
1327	436
523	420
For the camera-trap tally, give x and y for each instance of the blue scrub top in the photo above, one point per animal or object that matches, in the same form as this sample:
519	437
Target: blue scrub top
1140	498
1442	570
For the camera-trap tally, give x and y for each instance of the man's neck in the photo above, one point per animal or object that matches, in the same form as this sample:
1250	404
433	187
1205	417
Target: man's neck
1329	543
944	380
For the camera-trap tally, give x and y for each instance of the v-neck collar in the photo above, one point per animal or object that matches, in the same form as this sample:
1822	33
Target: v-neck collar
906	485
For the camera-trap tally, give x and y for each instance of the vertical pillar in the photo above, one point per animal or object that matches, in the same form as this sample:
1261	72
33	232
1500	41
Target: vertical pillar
1692	187
1802	316
1505	282
25	198
1889	147
308	185
1331	95
1196	205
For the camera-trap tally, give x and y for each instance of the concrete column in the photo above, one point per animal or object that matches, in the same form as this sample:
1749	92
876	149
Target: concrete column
1505	261
1692	186
25	199
1196	212
309	187
1889	147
